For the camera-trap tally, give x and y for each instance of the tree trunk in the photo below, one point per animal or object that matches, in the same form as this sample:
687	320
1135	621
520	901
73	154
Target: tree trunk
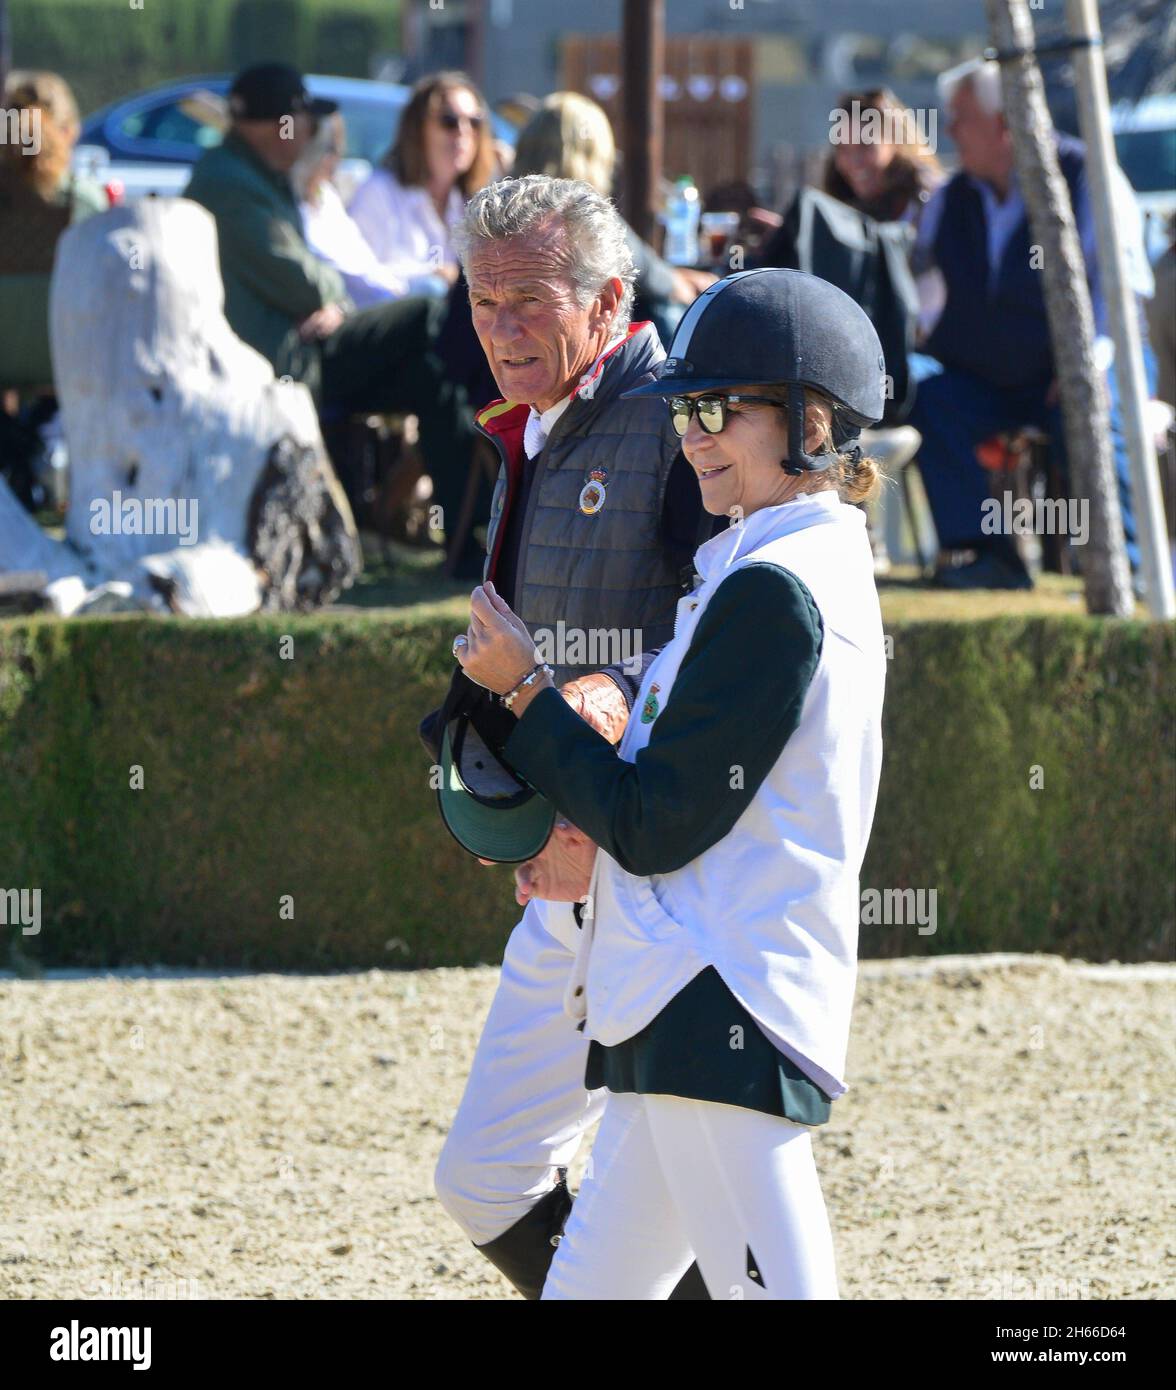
1085	413
197	481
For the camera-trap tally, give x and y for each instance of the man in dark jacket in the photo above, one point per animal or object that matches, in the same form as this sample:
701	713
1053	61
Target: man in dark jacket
290	304
989	366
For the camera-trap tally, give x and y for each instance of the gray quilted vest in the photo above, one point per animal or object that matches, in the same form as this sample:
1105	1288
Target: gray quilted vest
595	588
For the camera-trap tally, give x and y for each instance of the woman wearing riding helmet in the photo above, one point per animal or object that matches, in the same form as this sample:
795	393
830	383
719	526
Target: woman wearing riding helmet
719	947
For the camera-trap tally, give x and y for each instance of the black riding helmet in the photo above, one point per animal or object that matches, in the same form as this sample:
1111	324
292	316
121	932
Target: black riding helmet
780	327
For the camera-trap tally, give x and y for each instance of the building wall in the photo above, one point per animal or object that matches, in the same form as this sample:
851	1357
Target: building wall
802	62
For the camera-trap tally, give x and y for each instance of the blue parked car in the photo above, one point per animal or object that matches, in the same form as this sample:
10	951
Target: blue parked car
149	142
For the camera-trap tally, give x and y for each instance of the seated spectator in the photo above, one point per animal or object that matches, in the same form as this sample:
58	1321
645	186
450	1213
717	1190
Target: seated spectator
40	197
292	306
442	155
990	364
39	193
330	231
890	180
570	137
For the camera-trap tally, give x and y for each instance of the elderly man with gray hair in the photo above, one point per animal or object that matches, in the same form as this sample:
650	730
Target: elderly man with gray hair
987	364
594	519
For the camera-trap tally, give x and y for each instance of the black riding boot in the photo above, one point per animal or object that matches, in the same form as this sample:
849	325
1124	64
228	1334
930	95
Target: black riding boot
524	1252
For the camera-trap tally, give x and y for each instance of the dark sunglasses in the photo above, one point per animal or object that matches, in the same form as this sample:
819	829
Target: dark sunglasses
712	410
452	120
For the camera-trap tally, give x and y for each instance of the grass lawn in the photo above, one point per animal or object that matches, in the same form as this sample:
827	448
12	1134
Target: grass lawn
398	577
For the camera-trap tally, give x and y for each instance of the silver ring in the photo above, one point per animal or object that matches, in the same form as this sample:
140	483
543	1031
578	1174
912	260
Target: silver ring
461	640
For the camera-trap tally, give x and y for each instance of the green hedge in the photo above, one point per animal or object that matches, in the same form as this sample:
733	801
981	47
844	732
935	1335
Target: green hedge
266	777
107	50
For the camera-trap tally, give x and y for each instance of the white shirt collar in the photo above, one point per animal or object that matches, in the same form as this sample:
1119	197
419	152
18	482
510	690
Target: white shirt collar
539	426
767	524
1001	219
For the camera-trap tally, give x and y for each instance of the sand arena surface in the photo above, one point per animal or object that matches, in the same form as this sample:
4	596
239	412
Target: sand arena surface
1008	1133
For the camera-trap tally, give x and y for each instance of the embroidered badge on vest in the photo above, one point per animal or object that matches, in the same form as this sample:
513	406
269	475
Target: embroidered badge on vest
592	494
649	710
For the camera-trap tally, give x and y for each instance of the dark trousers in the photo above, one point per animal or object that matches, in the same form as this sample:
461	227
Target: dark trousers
382	361
954	411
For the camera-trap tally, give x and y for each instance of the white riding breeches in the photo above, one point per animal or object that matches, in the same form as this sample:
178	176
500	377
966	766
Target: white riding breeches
525	1109
672	1180
668	1181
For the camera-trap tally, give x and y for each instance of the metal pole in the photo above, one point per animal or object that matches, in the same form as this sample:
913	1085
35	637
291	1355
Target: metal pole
1094	121
642	60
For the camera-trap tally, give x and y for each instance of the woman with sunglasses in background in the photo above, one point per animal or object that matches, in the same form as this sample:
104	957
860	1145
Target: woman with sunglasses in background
718	958
443	153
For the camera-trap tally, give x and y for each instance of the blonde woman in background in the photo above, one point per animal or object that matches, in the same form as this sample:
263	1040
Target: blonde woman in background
39	198
39	193
570	137
407	209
